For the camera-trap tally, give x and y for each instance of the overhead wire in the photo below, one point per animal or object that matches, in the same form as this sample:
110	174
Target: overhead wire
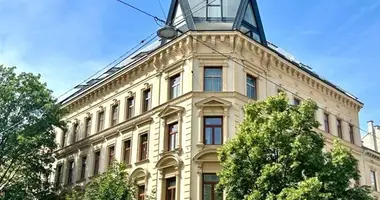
117	61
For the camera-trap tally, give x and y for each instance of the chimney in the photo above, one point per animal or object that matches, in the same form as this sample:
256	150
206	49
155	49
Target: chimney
371	131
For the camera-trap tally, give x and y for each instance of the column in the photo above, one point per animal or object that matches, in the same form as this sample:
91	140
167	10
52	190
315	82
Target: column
225	125
199	180
319	118
200	125
162	136
90	162
179	137
103	159
161	180
177	183
345	130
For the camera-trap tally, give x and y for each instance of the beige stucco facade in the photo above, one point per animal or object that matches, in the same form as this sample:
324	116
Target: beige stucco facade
187	56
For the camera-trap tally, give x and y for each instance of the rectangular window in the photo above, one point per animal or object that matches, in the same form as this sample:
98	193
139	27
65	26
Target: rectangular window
209	187
130	107
111	155
373	180
213	130
339	128
170	188
352	136
297	101
251	87
100	121
147	100
96	162
64	136
141	192
70	175
174	86
127	152
75	132
115	114
88	127
172	136
83	168
58	180
143	147
213	79
326	122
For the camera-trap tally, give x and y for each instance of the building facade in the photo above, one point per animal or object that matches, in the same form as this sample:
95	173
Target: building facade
166	110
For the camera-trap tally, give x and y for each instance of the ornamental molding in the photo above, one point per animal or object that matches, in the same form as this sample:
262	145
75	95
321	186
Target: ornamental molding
187	46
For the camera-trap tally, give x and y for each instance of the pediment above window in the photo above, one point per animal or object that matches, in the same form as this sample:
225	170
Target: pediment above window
213	102
206	155
169	110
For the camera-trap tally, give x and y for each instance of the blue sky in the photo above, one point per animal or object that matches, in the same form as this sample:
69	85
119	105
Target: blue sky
66	41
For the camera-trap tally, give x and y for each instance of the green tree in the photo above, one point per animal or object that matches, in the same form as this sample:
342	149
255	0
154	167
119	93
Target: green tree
277	154
28	114
113	184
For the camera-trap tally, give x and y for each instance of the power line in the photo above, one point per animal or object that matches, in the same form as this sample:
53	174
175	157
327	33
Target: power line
162	9
144	12
119	59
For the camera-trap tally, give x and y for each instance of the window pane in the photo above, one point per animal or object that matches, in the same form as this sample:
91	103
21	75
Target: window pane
208	136
251	92
172	142
211	178
207	192
208	84
213	72
218	136
230	8
249	16
217	84
213	121
214	11
213	2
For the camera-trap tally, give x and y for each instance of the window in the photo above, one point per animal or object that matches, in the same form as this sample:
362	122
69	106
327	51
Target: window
172	136
111	155
58	180
170	188
214	9
75	132
147	101
339	128
373	180
143	147
209	187
96	162
251	87
352	136
88	126
64	136
127	152
326	122
100	121
174	86
213	79
70	175
297	101
83	168
115	114
213	130
141	192
130	107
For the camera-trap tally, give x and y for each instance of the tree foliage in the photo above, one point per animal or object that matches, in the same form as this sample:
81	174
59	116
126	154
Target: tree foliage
113	184
277	154
28	114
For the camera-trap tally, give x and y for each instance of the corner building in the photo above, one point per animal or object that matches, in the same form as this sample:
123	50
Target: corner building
165	110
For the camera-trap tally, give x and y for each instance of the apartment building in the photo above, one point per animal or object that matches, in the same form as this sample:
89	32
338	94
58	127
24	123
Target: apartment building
165	110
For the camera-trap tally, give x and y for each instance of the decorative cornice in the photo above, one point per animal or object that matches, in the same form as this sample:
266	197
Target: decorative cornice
181	48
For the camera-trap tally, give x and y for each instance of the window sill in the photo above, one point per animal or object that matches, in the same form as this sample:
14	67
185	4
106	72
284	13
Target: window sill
142	162
176	150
